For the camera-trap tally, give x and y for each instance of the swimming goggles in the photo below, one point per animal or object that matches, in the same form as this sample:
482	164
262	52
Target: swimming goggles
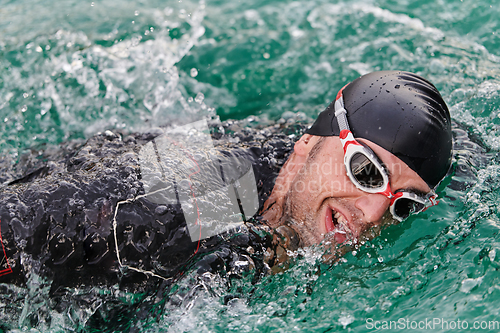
367	172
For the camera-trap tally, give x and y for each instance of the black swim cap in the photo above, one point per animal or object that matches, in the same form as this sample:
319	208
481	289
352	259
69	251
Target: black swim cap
401	112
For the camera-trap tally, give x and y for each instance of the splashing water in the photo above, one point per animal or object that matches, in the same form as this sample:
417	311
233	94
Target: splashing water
71	69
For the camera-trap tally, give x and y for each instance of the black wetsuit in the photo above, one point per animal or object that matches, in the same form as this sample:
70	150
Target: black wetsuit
56	221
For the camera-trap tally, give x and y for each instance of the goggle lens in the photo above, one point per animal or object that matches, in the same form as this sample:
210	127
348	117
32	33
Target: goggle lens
403	207
365	172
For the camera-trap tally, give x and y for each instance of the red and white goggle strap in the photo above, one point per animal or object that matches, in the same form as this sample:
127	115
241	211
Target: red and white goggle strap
341	112
345	135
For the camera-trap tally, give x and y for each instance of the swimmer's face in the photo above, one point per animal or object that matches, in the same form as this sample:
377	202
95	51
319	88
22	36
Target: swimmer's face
321	202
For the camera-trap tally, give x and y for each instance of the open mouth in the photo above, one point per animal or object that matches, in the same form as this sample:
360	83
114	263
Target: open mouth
337	224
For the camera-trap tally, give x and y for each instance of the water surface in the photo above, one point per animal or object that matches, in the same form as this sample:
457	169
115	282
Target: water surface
69	69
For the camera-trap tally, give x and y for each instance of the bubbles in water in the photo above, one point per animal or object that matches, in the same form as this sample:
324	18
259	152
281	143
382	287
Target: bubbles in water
193	72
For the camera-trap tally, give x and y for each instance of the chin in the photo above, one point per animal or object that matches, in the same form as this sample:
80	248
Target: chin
307	236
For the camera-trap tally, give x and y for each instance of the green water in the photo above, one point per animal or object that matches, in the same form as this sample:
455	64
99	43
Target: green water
69	69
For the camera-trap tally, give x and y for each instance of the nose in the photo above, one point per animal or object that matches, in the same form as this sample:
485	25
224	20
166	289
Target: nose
373	206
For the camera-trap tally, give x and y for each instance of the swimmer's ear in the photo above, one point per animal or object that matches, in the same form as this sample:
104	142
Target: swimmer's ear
304	145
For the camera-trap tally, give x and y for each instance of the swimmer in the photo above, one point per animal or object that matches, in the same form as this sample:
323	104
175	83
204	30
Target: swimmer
377	152
348	174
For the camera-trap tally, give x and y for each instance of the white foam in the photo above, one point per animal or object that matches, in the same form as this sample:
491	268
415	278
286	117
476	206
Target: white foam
329	14
469	284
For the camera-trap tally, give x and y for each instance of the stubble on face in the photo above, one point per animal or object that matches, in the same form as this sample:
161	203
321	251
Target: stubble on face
304	206
296	213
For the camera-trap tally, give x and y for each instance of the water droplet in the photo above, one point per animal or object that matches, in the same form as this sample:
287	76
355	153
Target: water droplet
168	11
193	72
469	284
161	210
266	55
24	108
26	95
136	13
199	98
345	320
185	184
492	255
92	4
380	259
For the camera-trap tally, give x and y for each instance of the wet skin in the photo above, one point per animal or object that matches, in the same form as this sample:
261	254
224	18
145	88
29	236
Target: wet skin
314	195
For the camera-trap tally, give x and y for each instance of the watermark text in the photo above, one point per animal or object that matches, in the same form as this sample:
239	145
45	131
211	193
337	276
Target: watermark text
431	324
